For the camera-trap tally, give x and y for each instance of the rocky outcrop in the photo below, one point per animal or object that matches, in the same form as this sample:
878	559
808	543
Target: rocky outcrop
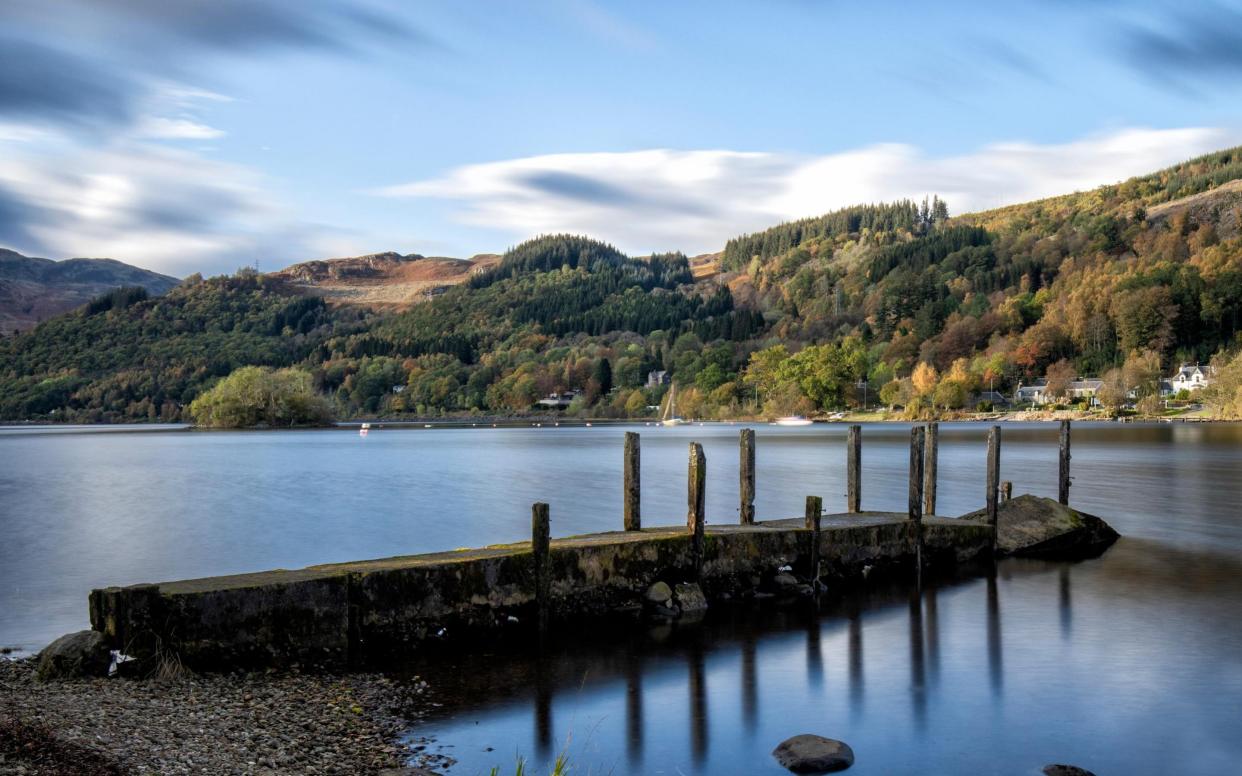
85	653
1038	527
1058	769
814	754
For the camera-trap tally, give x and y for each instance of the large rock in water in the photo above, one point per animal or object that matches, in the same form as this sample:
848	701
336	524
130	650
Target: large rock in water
84	653
1041	527
814	754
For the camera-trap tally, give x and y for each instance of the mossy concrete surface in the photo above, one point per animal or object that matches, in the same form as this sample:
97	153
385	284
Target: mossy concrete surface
377	610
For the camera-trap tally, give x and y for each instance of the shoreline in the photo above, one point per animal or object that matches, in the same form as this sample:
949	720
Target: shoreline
254	723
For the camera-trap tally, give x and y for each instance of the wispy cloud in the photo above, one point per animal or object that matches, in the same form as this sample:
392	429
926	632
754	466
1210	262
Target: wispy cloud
1187	45
695	200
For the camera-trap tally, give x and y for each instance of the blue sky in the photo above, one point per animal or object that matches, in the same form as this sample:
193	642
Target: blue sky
198	135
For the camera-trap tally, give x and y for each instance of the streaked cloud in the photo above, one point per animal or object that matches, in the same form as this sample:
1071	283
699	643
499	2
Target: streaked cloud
1187	45
695	200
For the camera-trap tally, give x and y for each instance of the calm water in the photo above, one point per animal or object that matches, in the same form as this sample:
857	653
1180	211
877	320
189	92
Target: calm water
1127	664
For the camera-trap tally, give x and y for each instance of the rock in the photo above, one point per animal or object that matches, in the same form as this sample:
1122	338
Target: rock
690	598
809	753
1042	527
1058	769
785	581
659	593
84	653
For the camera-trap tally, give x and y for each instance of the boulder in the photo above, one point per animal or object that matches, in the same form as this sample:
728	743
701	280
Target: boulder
659	593
1057	769
785	581
84	653
809	753
1044	528
690	598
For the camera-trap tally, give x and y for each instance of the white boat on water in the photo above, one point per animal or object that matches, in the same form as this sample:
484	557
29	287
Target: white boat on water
793	420
670	410
364	429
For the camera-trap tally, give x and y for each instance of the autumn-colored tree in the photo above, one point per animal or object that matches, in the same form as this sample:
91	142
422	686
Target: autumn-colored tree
1059	376
924	379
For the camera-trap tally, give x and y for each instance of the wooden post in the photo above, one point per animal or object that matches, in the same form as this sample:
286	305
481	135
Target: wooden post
1064	479
633	513
853	470
746	475
918	436
814	509
929	469
1006	491
994	451
540	545
696	516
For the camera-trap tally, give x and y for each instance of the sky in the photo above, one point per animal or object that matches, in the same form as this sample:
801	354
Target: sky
202	135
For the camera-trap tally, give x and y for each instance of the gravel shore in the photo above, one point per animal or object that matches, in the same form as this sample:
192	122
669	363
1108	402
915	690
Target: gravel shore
218	724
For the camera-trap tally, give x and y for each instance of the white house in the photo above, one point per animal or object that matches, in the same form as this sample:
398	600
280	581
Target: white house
1187	378
1036	392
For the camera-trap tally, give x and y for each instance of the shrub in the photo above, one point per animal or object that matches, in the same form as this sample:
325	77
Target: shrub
254	396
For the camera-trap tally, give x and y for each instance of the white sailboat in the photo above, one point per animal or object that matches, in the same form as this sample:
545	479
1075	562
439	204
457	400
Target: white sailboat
670	410
793	420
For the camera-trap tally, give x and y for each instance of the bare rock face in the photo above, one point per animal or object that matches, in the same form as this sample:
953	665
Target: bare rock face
809	753
84	653
1041	527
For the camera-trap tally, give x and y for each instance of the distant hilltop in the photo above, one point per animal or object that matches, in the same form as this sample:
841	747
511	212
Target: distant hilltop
34	289
383	280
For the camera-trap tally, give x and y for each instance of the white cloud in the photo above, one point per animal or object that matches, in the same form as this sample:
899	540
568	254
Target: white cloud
161	128
695	200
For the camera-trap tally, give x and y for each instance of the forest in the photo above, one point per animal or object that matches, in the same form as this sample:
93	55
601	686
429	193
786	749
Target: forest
902	304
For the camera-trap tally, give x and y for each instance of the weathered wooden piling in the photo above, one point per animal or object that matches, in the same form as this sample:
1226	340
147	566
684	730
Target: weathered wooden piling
993	486
541	545
929	469
632	486
746	475
918	441
696	517
1064	477
853	470
814	510
1006	491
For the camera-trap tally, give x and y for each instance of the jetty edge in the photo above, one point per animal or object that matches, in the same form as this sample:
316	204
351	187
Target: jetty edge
378	611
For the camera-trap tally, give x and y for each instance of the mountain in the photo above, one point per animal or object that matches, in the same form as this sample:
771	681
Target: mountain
899	299
383	280
33	289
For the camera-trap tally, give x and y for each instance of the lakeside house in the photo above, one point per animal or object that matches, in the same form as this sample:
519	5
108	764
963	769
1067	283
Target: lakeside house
995	398
1187	378
558	401
659	377
1036	392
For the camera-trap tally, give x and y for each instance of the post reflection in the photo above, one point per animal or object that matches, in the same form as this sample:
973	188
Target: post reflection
634	706
856	659
698	700
543	707
994	633
1067	613
933	635
750	689
814	654
918	694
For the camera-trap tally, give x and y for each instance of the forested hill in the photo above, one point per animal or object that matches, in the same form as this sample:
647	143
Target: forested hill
1122	282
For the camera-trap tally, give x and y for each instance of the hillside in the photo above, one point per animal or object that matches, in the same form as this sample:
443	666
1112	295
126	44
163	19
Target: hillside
900	300
33	289
382	280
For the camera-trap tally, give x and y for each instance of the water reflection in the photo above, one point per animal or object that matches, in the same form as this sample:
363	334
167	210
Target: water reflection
995	658
1067	614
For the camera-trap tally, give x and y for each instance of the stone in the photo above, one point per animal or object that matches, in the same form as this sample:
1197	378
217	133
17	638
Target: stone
659	593
1043	528
785	581
810	753
1057	769
73	655
690	598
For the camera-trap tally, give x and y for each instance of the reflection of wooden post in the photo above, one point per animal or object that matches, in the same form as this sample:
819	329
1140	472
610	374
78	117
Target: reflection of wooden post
633	513
696	516
1006	491
929	469
746	474
994	445
1064	478
814	508
917	443
853	470
540	545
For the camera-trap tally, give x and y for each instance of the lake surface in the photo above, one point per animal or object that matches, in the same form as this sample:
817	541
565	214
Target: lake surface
1127	664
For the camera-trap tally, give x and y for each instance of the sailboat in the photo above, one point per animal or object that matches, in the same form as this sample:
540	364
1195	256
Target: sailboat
670	410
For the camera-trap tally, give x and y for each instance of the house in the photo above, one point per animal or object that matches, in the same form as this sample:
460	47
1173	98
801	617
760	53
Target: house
660	377
558	401
995	398
1187	378
1037	391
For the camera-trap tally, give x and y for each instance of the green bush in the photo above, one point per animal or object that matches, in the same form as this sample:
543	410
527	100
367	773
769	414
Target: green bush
259	396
